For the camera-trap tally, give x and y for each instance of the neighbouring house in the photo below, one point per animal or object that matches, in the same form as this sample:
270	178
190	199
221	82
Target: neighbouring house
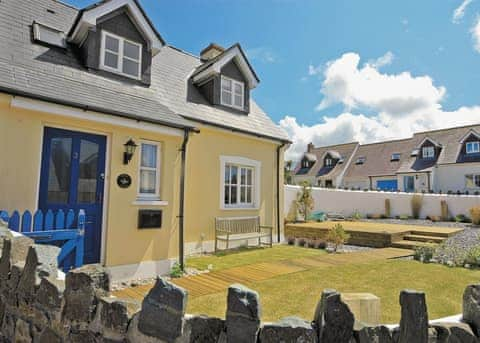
446	160
81	89
325	166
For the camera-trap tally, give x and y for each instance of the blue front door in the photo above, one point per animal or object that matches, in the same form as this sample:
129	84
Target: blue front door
72	177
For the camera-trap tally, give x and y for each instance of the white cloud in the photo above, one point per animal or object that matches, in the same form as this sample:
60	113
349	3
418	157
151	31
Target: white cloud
263	54
402	104
475	31
314	70
383	60
460	11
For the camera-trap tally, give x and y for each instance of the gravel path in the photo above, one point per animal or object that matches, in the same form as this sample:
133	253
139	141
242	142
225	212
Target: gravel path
455	248
420	222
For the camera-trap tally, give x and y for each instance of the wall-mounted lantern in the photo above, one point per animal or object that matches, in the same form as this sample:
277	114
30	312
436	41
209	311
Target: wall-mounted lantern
130	147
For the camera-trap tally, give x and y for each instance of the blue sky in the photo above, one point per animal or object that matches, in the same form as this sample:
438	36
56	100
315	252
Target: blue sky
330	52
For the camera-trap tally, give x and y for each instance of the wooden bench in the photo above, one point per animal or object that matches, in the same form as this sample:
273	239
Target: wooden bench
241	228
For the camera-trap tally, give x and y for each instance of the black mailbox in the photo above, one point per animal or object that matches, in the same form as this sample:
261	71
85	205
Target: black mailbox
149	219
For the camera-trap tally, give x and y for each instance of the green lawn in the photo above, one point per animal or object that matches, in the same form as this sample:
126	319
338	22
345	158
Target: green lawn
298	293
246	256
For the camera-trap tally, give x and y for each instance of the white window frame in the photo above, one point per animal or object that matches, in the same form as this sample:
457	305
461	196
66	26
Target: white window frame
395	156
149	196
474	176
121	42
257	173
475	145
232	92
428	152
328	162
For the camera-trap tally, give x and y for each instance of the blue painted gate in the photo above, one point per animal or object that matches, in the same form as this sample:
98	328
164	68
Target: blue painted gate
387	185
65	230
72	177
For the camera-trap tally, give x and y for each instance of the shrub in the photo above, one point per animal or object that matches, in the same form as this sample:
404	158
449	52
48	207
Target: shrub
176	271
356	215
337	236
311	243
444	210
403	217
305	200
320	244
475	215
291	240
424	254
473	256
301	242
461	218
388	209
416	203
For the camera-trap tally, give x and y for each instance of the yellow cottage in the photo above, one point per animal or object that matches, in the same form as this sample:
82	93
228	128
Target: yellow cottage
153	143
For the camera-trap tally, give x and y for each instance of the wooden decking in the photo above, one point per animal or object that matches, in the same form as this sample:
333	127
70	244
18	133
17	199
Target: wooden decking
218	281
377	235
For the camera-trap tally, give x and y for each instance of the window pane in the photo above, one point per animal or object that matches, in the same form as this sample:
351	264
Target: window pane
249	195
242	194
234	174
238	100
249	177
477	180
147	181
226	98
233	198
87	180
469	181
227	195
111	60
111	43
227	174
238	89
243	176
149	156
227	85
59	170
130	67
131	50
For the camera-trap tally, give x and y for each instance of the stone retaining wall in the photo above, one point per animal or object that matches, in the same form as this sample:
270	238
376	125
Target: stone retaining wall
39	304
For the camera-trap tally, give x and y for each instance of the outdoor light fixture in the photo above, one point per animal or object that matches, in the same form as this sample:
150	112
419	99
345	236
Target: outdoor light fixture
130	147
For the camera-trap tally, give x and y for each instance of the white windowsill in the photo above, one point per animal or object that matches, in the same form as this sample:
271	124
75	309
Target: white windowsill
146	202
239	208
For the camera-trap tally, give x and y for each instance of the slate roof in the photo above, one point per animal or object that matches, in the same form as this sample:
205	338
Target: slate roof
319	170
57	75
378	158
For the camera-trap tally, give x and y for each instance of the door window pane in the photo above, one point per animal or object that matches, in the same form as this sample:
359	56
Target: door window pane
59	170
87	178
147	181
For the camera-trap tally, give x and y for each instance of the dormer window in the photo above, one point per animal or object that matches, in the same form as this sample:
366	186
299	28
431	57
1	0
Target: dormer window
328	162
232	93
360	160
428	152
120	56
395	157
473	147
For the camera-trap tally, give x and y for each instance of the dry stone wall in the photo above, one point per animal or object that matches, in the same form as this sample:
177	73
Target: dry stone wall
40	304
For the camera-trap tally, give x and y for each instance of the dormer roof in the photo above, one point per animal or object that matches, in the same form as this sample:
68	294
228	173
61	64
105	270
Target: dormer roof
213	66
87	18
438	145
470	133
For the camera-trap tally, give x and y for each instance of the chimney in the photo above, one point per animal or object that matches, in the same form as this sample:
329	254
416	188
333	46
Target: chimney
310	147
211	51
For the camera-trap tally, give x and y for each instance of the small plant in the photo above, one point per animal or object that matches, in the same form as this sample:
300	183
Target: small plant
301	242
176	271
291	240
388	209
356	215
416	204
461	218
444	210
320	244
475	215
305	200
403	217
311	243
424	254
473	256
337	236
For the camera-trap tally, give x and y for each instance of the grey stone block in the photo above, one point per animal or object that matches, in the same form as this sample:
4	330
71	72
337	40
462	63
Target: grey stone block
374	334
81	292
49	336
135	335
414	317
288	330
454	333
471	307
333	319
203	329
243	314
83	336
8	326
163	310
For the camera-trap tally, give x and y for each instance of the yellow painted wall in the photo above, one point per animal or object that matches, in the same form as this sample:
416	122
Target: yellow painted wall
21	132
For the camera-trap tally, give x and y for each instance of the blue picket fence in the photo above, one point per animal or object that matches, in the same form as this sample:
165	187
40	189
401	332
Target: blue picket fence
66	230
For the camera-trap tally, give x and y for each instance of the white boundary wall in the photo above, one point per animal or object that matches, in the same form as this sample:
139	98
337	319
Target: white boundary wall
372	202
